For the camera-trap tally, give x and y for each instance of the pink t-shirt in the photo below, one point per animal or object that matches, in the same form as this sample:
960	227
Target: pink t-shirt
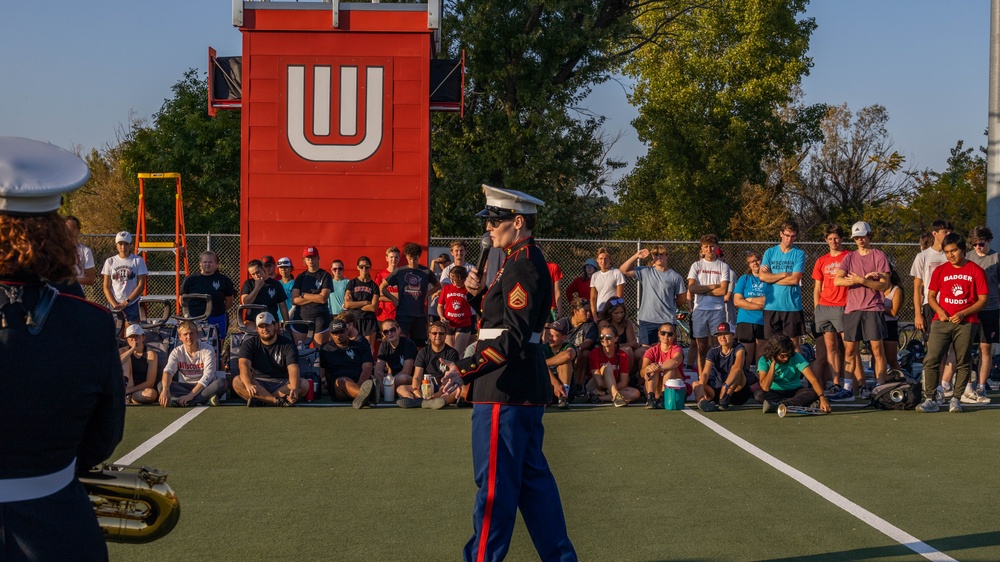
860	297
958	288
655	355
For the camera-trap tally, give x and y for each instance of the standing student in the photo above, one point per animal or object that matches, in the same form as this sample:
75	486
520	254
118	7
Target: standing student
217	286
604	284
989	317
781	270
748	296
829	301
311	294
708	280
124	278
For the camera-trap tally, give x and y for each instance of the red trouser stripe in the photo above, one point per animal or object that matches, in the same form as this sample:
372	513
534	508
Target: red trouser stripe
491	476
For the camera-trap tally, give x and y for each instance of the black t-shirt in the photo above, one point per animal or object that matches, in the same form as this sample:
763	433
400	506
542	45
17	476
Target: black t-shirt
362	291
412	284
582	333
428	359
270	295
269	361
394	358
216	285
345	362
312	284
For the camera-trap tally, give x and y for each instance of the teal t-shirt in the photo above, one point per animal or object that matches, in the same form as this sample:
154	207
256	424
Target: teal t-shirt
783	298
787	376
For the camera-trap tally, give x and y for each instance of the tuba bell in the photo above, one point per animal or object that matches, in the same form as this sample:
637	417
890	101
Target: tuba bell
132	504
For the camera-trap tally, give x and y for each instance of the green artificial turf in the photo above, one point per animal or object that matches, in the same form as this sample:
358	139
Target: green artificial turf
391	484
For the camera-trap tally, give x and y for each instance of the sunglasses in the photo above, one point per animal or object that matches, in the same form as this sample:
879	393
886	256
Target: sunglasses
607	337
616	301
336	269
497	221
979	244
390	330
364	267
666	333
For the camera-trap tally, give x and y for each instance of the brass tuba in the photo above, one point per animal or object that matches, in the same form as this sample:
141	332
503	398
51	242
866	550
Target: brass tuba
132	504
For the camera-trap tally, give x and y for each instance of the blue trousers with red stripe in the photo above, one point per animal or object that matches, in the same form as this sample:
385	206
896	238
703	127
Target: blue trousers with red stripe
512	474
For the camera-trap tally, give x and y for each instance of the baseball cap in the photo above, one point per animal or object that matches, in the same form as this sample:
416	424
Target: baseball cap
592	263
134	330
337	326
285	262
560	326
265	318
860	228
123	236
724	328
267	260
310	251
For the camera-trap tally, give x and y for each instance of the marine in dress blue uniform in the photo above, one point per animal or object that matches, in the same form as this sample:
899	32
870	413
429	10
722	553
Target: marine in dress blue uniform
62	399
509	388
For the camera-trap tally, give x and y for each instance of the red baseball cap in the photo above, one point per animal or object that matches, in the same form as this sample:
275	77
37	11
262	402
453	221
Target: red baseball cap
310	252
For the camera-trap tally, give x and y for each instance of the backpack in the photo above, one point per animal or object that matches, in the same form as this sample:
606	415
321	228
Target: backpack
900	392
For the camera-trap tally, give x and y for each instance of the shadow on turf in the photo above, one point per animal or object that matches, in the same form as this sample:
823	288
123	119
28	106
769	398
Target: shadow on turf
946	544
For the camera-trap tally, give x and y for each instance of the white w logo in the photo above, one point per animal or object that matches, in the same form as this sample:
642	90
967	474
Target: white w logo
322	83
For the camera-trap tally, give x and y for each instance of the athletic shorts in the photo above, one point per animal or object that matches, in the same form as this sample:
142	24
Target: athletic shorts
271	385
989	326
367	325
414	327
738	398
829	319
749	333
322	323
787	322
864	325
463	330
892	331
705	322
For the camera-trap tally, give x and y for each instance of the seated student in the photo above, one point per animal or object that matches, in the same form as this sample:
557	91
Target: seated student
723	380
609	366
781	369
269	367
583	335
139	367
396	355
454	309
665	360
347	367
559	357
351	323
616	315
428	362
194	365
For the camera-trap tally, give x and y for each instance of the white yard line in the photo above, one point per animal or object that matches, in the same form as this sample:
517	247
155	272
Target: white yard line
879	524
160	437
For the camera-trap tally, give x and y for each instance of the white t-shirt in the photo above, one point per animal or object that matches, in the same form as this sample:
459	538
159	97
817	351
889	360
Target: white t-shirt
710	273
924	264
84	259
124	274
606	282
192	369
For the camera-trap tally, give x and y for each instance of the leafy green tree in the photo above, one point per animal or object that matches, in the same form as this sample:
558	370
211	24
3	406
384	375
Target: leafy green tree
957	194
710	109
205	151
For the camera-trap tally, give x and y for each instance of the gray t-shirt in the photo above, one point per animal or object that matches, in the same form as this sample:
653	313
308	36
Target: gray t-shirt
659	294
989	264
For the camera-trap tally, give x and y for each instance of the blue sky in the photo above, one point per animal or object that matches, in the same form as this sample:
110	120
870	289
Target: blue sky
73	72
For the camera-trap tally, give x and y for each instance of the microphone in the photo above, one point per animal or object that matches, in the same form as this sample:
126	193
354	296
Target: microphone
485	244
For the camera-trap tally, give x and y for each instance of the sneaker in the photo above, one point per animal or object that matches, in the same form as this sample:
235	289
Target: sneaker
724	403
658	404
366	395
650	402
948	390
706	405
433	403
834	391
843	395
768	407
563	403
408	402
865	393
282	401
954	406
983	394
619	401
974	398
463	403
213	401
927	406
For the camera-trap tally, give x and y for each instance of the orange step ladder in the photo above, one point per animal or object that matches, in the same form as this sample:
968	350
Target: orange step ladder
178	246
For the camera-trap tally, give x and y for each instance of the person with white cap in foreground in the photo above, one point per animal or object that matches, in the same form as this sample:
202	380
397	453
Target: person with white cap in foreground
45	513
124	278
510	388
140	367
269	367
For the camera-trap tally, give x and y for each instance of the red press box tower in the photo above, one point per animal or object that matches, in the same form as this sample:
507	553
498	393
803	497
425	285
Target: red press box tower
335	101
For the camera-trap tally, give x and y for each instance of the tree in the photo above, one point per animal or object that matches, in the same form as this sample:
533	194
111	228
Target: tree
852	174
529	64
710	103
958	194
205	151
106	202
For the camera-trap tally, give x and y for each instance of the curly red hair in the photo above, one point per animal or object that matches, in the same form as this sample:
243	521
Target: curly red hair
39	245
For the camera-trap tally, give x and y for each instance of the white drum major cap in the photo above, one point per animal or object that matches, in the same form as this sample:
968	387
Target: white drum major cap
34	175
505	203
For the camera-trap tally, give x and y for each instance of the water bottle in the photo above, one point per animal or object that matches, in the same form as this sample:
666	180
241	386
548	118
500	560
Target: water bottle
389	389
427	388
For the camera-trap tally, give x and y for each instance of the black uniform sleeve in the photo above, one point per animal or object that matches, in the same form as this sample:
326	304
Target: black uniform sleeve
107	423
290	354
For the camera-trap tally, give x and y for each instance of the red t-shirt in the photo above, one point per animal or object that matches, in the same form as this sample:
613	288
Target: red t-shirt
455	301
386	310
580	287
958	288
826	270
656	355
618	363
556	273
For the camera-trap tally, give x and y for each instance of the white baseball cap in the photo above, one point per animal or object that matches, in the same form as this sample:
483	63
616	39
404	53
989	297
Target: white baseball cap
284	262
860	228
123	236
265	318
134	330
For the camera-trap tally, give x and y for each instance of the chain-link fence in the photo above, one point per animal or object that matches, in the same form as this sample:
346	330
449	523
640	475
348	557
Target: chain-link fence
569	254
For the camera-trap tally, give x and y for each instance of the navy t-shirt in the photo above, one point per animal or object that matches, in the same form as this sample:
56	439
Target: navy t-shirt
270	295
429	359
394	358
313	284
216	285
345	362
412	284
